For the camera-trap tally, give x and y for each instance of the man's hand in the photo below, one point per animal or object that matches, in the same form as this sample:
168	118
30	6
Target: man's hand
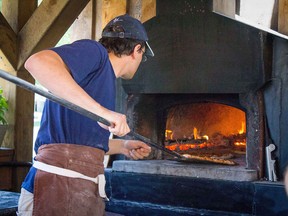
119	126
135	149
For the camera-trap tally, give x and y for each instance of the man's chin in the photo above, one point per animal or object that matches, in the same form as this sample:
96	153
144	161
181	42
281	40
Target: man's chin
126	77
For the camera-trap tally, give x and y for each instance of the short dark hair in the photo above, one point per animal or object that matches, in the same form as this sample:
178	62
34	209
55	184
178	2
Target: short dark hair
120	46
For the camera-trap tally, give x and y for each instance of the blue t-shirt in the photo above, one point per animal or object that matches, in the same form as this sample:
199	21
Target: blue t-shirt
90	67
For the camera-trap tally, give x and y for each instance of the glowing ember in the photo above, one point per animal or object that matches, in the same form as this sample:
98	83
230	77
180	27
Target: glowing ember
205	137
202	142
240	143
185	147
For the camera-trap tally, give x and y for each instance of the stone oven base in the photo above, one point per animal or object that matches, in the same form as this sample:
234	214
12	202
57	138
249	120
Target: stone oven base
141	194
196	170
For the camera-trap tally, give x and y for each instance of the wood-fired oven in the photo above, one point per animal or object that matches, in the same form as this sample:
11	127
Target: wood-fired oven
205	68
215	87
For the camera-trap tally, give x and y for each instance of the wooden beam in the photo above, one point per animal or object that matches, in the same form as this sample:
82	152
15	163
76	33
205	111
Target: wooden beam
82	26
9	11
148	10
134	8
47	25
105	11
24	125
225	7
108	9
17	12
283	17
8	44
142	10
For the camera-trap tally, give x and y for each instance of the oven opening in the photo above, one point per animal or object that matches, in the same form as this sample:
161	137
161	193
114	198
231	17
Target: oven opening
206	129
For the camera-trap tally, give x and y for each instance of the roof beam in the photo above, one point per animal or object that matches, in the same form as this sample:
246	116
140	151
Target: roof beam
283	17
47	25
17	12
105	11
8	43
142	10
225	7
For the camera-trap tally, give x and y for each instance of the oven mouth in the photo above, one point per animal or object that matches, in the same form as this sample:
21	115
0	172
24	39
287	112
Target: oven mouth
207	132
151	116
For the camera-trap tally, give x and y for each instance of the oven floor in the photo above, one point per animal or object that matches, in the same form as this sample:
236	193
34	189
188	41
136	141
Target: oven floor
198	170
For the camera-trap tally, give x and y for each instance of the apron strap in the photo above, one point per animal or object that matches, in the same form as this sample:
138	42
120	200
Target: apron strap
100	179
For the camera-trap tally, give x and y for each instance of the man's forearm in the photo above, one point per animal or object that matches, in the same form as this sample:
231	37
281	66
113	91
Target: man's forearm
115	146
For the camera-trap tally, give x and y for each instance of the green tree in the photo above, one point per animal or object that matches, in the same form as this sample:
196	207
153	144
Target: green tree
3	108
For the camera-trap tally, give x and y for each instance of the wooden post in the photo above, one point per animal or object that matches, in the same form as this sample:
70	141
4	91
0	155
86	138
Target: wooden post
148	10
142	10
283	17
105	11
82	28
225	7
134	8
18	12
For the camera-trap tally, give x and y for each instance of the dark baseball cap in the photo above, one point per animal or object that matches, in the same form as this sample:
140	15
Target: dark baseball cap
133	29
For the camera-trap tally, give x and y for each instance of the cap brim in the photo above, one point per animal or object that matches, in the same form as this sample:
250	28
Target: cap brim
149	52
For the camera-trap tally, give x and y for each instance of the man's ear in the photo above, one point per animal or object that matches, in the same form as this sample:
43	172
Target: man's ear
136	50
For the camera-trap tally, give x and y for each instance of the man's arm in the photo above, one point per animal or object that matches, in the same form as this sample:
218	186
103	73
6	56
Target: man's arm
48	68
131	148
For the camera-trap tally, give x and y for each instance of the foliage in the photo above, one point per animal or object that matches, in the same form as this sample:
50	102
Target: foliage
3	108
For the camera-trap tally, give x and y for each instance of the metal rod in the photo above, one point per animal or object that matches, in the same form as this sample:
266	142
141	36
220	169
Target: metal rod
28	86
149	142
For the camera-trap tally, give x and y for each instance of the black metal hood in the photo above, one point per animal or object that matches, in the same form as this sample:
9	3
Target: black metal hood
198	51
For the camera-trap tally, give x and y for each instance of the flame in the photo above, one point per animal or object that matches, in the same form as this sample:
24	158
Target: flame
205	137
184	147
197	136
242	128
205	143
240	143
168	134
195	133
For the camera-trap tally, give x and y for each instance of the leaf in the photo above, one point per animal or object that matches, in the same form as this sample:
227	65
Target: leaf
3	108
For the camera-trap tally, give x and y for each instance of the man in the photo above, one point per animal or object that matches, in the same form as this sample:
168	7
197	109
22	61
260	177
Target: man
69	147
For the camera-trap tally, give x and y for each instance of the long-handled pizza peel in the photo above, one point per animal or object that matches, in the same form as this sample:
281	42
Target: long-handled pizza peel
28	86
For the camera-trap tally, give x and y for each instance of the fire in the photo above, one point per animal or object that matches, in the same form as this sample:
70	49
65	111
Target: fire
202	142
205	137
242	128
240	143
185	147
195	133
197	136
168	134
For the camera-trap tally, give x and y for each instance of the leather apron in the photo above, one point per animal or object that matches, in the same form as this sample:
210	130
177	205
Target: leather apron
59	195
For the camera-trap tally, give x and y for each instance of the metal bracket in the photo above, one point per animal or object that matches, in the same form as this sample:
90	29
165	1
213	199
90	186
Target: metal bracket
270	163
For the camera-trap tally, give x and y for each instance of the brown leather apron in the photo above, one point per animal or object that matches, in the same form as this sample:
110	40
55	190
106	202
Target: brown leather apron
58	195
